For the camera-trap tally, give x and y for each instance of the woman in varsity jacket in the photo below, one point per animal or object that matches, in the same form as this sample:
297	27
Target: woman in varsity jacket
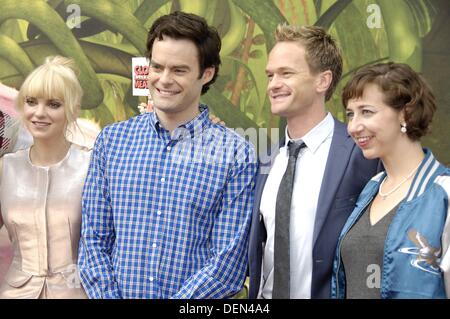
395	242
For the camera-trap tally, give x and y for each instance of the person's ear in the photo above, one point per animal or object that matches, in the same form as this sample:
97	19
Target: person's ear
323	81
208	74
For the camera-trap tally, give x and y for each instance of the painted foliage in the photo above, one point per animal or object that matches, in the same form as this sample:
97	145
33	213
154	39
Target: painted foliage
103	35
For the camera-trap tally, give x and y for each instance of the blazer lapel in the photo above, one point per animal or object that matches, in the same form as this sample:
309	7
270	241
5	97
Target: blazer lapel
338	157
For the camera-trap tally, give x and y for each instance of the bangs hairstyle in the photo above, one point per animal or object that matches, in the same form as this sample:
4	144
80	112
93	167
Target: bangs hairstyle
321	51
55	79
403	90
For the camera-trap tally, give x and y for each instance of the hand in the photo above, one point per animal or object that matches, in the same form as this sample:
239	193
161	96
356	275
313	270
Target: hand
144	108
216	120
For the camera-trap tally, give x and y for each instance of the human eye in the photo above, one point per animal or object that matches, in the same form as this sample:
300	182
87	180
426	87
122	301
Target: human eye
180	71
31	101
156	68
54	104
287	73
269	76
349	114
367	112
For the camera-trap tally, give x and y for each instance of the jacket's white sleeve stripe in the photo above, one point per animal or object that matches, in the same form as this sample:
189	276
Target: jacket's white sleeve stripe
425	182
377	177
419	178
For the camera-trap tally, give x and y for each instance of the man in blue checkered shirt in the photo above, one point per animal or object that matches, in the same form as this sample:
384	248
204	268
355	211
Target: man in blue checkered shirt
168	197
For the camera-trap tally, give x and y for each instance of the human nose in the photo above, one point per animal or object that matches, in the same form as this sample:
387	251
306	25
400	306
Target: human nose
274	83
165	77
40	109
354	126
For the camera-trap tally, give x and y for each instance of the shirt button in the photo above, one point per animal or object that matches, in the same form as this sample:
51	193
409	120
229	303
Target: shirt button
169	148
151	278
154	245
159	212
163	179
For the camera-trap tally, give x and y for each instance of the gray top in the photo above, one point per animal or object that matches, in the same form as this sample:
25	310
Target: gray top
362	256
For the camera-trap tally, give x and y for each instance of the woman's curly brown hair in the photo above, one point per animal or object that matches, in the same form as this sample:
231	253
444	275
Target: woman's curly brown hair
403	89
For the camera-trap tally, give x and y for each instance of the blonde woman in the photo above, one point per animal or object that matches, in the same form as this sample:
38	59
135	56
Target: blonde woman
40	188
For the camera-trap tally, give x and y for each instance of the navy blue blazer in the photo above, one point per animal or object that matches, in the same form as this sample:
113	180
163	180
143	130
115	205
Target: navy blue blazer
346	174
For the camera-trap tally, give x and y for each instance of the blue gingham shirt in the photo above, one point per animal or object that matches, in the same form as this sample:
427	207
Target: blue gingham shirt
166	215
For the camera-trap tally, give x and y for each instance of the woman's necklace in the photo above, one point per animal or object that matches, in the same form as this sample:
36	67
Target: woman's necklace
384	195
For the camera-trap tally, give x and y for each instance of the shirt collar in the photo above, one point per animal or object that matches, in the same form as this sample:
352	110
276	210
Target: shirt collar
192	128
316	136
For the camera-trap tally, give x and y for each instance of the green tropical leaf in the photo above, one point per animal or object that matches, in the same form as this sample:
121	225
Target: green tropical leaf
15	29
117	18
423	17
259	39
405	44
197	7
50	23
236	31
366	50
327	19
148	8
13	53
249	72
266	14
104	59
223	108
256	54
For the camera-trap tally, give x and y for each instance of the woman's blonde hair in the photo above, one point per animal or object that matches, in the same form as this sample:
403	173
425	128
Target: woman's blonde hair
57	78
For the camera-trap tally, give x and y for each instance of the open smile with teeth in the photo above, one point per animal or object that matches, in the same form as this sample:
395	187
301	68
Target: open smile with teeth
167	92
41	124
280	95
363	139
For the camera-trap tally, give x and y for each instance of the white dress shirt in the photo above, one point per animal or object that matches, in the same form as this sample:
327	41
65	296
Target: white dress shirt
309	171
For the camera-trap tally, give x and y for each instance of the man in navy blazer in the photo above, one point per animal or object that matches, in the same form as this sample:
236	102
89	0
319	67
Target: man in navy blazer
303	69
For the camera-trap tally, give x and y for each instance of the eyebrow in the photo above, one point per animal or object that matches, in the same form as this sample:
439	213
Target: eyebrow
282	69
365	105
361	106
181	66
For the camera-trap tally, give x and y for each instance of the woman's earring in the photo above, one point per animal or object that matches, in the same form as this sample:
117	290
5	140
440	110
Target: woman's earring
403	129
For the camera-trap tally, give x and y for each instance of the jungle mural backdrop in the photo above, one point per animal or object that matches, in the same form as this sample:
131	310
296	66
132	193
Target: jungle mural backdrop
103	35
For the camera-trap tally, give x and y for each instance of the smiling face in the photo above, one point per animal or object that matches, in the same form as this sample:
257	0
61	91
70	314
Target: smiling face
49	99
374	126
292	89
174	81
44	118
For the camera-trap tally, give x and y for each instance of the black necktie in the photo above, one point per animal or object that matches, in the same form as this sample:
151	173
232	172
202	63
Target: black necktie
281	278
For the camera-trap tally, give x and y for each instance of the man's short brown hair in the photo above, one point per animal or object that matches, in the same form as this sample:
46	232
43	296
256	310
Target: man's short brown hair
321	51
403	89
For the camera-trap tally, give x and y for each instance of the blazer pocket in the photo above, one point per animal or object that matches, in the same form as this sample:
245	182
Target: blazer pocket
17	278
345	202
